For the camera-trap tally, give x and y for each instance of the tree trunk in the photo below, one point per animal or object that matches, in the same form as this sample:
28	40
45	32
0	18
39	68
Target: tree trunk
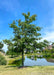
22	58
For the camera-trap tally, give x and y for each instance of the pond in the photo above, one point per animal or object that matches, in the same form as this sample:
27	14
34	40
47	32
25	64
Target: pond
29	61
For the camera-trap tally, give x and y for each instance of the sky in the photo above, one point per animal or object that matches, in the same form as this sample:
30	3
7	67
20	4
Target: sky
12	10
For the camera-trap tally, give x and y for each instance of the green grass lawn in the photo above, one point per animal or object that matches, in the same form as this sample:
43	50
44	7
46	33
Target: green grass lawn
36	70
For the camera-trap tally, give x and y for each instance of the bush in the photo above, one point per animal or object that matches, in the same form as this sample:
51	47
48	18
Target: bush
15	62
2	60
52	55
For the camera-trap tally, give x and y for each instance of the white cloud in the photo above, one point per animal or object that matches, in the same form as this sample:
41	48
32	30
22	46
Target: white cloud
49	30
49	36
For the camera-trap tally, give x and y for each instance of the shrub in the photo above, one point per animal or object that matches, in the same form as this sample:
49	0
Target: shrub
2	60
52	55
16	62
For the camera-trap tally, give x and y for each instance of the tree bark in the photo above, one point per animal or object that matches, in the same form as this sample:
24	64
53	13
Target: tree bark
22	58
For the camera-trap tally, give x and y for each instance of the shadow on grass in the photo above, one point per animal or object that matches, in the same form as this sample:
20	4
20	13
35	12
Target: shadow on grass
16	66
11	66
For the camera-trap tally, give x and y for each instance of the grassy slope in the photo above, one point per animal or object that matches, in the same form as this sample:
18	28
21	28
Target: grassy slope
36	70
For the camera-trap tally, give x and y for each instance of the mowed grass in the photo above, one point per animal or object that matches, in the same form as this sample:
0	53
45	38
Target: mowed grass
36	70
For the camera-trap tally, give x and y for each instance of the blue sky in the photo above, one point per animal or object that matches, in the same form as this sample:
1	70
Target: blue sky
12	9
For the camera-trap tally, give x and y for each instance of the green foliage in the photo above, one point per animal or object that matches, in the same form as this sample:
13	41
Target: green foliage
16	62
1	46
40	45
33	57
53	45
25	34
8	42
46	43
2	60
12	50
52	55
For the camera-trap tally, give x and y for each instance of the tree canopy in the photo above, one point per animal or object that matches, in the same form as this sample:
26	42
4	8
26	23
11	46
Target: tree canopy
26	34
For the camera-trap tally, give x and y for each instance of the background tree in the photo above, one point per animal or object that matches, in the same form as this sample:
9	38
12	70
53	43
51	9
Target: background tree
52	44
46	44
1	46
10	47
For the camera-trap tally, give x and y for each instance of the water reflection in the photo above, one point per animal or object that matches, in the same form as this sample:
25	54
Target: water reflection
39	60
32	57
50	60
35	60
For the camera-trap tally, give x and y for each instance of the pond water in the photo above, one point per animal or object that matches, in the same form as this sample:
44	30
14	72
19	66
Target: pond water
38	62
